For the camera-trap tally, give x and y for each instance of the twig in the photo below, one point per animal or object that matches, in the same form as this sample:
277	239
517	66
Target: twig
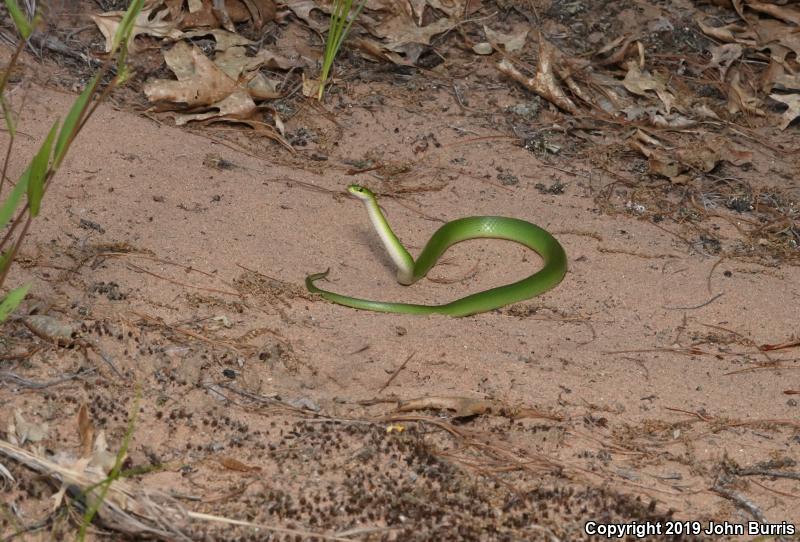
16	379
780	346
396	372
110	362
710	273
57	46
714	298
178	283
766	472
696	414
692	351
740	501
773	367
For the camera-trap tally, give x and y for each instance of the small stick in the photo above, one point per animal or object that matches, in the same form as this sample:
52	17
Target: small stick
711	273
767	488
697	414
11	377
774	367
781	346
740	501
714	298
110	362
771	473
178	283
397	372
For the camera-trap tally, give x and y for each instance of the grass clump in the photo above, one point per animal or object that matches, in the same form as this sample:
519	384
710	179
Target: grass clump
343	13
35	180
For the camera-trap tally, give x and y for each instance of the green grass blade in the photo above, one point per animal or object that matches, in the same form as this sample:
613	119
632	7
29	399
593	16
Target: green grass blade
11	202
8	116
116	471
342	17
5	261
124	33
24	27
125	27
38	168
12	301
72	122
346	31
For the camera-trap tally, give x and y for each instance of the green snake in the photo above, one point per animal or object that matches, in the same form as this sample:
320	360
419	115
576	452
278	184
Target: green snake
474	227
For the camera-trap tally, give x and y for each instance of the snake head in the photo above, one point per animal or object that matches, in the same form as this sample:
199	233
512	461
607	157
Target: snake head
360	192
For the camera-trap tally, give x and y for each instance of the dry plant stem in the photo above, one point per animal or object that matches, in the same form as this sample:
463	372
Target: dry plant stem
770	473
15	246
396	372
50	174
772	490
178	283
24	382
693	307
740	501
780	346
3	83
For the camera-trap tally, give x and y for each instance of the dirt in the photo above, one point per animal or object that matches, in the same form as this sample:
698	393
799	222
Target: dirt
638	390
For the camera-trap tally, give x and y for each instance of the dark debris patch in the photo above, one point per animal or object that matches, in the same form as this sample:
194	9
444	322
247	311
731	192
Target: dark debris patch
396	486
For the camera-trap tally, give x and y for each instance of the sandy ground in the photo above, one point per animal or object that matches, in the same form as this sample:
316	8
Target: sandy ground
633	390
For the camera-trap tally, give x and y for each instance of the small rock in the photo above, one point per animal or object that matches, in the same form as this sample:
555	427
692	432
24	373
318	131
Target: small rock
483	48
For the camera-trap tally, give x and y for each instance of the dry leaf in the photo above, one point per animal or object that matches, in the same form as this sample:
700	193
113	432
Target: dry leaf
722	56
238	105
613	44
462	406
647	139
623	46
672	163
85	430
310	86
199	82
793	101
231	463
102	460
740	98
262	88
27	431
544	83
700	158
510	42
234	62
784	13
403	36
262	128
640	82
731	33
261	12
660	164
303	8
456	8
704	111
274	61
201	14
377	51
152	22
224	40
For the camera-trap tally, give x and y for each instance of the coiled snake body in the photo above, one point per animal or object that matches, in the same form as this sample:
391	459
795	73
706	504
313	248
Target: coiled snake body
474	227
